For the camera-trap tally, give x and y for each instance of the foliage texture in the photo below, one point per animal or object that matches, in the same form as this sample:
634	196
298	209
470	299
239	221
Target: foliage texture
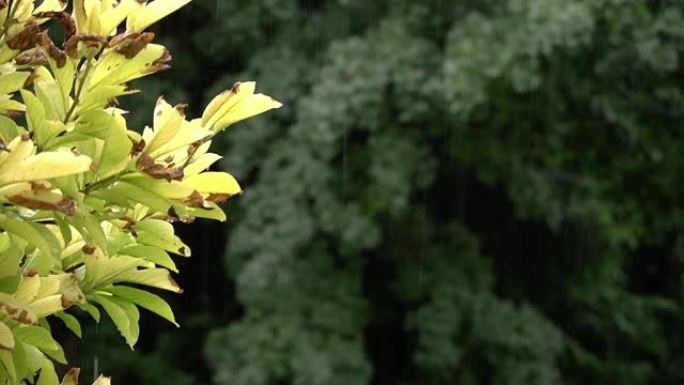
87	204
457	192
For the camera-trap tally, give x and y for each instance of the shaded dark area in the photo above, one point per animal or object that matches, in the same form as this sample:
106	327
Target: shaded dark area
471	192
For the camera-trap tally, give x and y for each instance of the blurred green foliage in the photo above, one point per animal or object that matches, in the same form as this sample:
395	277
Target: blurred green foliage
470	192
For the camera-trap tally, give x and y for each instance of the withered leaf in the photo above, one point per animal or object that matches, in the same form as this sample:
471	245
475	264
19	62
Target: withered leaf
218	198
147	165
66	204
138	147
18	313
63	18
34	57
91	41
29	80
25	38
49	46
71	377
194	200
159	64
130	44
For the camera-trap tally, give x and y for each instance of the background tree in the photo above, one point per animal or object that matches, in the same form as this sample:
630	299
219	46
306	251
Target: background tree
473	192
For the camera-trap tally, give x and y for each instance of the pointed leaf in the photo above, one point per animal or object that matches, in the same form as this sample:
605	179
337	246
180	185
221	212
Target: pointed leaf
146	300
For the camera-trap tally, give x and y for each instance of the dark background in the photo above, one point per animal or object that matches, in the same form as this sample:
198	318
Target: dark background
456	192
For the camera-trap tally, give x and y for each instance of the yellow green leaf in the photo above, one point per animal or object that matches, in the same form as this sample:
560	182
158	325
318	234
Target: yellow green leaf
47	376
145	300
118	316
155	232
70	322
102	381
148	14
21	165
236	104
214	182
13	81
159	278
6	337
153	254
71	377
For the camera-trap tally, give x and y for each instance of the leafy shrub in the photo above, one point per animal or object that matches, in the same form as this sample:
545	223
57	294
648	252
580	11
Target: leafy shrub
87	204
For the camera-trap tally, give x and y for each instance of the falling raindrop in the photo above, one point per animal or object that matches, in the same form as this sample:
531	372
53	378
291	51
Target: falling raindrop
96	358
344	158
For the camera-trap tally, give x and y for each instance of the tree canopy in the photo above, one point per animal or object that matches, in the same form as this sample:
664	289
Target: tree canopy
472	192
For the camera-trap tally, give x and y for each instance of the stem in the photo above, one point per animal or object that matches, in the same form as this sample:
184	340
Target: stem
204	140
10	14
81	85
104	182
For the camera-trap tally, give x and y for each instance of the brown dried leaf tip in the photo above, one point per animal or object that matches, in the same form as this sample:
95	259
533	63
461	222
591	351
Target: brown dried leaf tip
130	44
89	41
138	147
159	64
49	46
33	57
88	249
147	165
194	200
218	198
25	38
65	205
64	19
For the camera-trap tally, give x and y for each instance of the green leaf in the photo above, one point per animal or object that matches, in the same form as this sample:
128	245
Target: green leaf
9	260
167	122
153	254
36	119
50	96
215	213
123	193
214	182
133	317
90	309
159	278
64	228
13	81
9	129
64	77
155	232
6	337
152	12
93	228
101	271
145	300
48	376
41	339
35	234
21	166
70	322
118	316
48	305
7	362
115	68
21	361
167	189
33	357
202	163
